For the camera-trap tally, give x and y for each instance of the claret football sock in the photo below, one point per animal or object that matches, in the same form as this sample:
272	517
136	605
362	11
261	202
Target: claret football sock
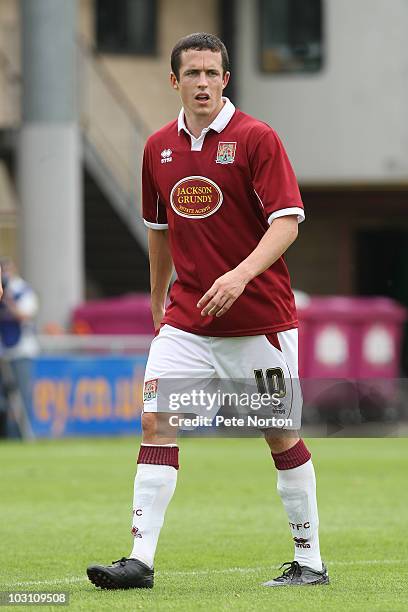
155	483
297	489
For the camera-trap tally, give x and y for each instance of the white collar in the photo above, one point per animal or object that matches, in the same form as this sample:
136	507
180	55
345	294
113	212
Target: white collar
220	122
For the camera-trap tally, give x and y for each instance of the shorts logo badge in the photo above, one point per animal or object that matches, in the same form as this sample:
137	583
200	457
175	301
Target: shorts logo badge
150	389
226	152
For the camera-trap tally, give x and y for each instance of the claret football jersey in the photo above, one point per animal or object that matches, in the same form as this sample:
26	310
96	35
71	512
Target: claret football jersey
217	195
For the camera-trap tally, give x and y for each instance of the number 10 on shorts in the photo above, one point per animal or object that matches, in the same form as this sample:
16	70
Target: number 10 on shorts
274	383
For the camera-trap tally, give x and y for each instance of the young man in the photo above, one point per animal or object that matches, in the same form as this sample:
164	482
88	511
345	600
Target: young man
221	202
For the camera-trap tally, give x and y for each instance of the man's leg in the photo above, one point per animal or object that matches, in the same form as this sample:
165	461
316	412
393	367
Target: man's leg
297	489
175	359
155	483
273	359
154	486
3	408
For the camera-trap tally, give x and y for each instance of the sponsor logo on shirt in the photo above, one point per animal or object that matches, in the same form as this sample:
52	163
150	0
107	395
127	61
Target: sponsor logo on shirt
226	152
166	156
150	389
195	197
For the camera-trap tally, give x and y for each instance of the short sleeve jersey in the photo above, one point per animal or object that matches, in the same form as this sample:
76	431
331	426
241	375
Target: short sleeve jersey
217	195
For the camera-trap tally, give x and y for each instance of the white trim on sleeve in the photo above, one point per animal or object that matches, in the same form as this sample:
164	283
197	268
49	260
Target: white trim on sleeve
285	212
155	226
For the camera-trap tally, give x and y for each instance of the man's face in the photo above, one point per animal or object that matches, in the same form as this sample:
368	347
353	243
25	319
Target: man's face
201	82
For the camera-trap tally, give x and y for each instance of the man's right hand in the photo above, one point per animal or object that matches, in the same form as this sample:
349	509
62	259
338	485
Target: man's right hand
158	315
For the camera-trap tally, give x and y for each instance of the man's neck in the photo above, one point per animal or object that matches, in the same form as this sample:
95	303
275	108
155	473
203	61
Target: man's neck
196	125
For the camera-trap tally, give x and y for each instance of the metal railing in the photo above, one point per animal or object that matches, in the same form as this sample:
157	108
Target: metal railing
114	136
67	343
113	132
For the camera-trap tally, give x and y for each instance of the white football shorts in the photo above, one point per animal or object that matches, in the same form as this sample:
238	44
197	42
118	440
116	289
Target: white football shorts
193	368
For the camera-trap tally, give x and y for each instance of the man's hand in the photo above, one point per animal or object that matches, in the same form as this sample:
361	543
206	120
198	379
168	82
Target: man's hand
157	314
228	287
223	293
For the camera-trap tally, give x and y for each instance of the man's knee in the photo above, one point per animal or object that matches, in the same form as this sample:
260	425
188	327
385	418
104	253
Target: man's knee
149	424
280	444
157	429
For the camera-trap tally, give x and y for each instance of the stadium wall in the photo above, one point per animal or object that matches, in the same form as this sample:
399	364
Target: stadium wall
346	122
144	79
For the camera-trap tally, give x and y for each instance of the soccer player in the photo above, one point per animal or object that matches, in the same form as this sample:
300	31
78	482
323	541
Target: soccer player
221	203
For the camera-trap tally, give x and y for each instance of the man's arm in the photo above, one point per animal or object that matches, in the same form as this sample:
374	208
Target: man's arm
228	287
24	308
161	270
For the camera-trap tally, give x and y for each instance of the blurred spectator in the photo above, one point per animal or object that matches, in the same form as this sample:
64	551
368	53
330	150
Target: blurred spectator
302	299
18	341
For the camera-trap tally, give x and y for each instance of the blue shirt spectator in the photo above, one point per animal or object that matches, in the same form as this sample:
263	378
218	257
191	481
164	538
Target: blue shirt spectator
18	345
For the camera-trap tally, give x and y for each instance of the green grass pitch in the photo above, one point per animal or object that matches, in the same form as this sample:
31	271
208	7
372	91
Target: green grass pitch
65	504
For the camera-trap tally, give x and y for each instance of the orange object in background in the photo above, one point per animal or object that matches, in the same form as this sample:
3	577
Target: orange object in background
81	328
53	329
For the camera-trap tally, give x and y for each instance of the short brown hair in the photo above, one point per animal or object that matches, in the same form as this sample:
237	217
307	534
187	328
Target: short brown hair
198	41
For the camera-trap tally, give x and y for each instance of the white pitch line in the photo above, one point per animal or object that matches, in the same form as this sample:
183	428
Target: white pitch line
45	582
228	570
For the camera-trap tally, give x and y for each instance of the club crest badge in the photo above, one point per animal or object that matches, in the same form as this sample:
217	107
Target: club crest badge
150	389
226	152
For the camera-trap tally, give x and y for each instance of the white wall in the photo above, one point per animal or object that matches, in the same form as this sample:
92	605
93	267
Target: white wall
348	122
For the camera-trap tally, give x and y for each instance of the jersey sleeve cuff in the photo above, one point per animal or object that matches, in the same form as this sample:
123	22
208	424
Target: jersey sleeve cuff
156	226
285	212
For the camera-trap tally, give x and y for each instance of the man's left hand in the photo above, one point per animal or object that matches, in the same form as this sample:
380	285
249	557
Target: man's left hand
223	293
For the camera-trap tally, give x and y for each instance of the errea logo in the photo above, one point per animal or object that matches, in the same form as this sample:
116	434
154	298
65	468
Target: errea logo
166	156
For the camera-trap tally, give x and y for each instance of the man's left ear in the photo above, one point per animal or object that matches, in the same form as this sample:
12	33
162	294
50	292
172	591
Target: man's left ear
173	80
226	79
